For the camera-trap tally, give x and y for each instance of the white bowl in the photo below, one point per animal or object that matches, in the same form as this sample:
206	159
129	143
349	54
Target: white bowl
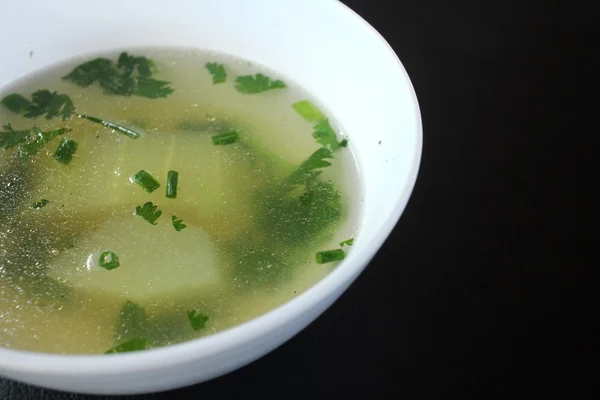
320	44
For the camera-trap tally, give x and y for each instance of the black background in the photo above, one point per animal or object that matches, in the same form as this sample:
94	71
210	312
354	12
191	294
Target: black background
476	292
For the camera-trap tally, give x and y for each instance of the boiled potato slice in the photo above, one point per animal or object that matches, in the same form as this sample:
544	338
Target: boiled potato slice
155	261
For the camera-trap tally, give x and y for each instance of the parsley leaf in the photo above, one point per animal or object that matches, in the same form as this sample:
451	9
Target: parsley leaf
310	169
178	223
149	212
133	321
53	104
348	242
66	149
259	83
130	75
109	260
42	203
135	344
197	320
43	102
33	146
217	71
28	144
325	135
10	138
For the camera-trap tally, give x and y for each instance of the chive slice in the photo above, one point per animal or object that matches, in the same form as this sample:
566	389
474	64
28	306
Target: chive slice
109	260
226	138
66	149
111	125
330	256
135	344
145	180
39	204
172	177
308	111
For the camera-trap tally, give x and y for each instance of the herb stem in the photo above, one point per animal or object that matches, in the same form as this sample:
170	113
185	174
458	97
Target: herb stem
112	125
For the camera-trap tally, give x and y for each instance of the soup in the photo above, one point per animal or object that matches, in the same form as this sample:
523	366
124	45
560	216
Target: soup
152	197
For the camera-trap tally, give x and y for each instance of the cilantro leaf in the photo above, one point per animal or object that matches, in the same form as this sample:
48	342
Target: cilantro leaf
149	212
135	344
178	223
133	321
259	83
43	102
197	320
109	260
217	71
348	242
130	75
10	138
42	203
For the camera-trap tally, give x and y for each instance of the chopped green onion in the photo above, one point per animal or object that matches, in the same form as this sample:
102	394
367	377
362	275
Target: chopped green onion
226	138
197	320
344	143
308	111
135	344
145	180
111	125
66	149
172	177
330	256
39	204
109	260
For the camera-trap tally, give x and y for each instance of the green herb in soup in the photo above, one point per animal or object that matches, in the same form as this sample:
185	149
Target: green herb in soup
212	216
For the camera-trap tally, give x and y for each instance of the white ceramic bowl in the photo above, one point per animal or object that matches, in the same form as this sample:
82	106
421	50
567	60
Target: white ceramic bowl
320	44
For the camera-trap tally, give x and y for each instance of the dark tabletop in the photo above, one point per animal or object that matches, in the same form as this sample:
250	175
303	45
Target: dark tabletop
470	295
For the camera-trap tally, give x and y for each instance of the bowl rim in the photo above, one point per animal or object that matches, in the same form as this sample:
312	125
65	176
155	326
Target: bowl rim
345	273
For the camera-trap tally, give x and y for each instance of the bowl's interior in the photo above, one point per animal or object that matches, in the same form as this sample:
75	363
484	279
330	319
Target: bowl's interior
319	44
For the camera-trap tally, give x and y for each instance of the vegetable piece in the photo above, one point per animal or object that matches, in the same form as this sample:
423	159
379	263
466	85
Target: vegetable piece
148	212
135	344
259	83
33	146
109	260
226	138
308	111
348	242
42	203
217	71
172	177
145	180
328	256
131	75
178	223
66	149
197	320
